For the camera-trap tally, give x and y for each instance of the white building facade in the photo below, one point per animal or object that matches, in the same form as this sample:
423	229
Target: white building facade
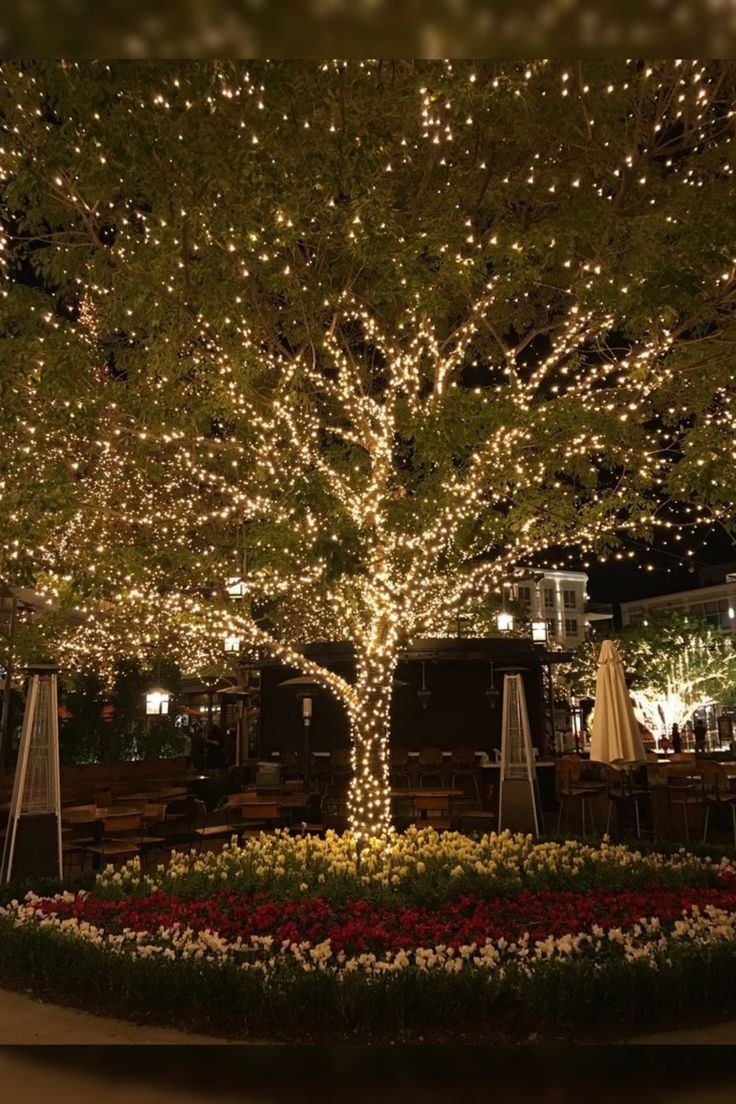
560	598
714	604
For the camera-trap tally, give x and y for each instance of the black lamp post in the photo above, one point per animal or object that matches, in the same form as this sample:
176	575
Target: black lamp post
210	682
305	689
540	637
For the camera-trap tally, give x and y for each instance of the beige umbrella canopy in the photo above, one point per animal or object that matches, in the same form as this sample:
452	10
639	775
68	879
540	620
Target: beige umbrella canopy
616	739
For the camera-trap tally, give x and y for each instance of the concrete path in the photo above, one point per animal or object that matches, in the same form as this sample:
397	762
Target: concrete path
717	1035
25	1019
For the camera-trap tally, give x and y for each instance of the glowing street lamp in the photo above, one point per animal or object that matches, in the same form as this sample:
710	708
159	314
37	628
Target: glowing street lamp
235	587
505	621
539	632
157	702
233	644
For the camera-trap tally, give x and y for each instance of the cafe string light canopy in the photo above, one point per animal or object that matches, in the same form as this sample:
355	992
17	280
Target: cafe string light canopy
395	393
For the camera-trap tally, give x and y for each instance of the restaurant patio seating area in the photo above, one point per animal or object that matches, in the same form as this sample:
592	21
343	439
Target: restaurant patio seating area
681	799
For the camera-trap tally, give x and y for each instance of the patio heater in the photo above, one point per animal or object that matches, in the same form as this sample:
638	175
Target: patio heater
305	688
519	803
33	840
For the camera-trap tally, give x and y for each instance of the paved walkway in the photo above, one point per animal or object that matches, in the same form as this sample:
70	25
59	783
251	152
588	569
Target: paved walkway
25	1019
715	1035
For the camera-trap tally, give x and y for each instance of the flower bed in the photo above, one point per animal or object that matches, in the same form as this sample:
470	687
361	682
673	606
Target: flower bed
290	934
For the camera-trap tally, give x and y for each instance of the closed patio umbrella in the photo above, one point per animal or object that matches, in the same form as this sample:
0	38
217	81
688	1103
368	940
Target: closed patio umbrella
616	739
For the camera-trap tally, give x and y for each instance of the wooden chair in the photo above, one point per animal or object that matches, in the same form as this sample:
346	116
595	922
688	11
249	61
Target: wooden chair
465	766
232	808
341	768
181	818
259	815
717	795
320	771
570	791
334	809
479	819
399	763
75	842
624	794
684	791
209	826
432	812
292	764
430	764
243	797
120	836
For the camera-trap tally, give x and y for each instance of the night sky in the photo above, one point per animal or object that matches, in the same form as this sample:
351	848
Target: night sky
620	581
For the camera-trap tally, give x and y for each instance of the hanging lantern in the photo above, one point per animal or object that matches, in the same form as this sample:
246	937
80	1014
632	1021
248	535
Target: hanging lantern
505	621
157	702
232	644
424	693
539	632
492	693
235	587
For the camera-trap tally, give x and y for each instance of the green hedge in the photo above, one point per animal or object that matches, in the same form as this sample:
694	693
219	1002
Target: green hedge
562	1000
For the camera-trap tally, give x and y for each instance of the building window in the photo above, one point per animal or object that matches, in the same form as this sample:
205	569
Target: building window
571	626
549	598
525	596
570	599
551	626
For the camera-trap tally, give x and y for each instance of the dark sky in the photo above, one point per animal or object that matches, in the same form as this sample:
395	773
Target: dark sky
619	581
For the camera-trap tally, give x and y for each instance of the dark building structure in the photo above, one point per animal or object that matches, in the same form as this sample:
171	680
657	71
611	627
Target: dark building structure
459	710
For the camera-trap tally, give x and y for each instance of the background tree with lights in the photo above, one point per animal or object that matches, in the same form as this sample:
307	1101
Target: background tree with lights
368	335
675	665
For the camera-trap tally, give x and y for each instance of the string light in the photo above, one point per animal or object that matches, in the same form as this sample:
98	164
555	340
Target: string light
419	327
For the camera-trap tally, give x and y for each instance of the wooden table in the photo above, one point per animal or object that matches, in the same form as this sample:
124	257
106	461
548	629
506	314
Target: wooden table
92	816
292	801
156	796
425	791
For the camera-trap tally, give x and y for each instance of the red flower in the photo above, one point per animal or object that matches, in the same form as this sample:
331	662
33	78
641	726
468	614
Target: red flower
359	925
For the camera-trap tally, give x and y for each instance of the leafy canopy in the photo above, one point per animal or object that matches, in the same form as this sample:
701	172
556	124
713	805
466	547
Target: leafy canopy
385	330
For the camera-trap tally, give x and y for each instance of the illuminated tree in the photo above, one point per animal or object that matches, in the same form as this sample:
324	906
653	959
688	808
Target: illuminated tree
380	332
675	664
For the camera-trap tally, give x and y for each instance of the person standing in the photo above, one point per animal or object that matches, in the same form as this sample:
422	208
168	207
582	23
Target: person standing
676	739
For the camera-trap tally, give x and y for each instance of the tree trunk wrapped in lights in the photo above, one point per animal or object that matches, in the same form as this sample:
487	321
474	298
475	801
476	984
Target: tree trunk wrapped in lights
369	804
425	321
